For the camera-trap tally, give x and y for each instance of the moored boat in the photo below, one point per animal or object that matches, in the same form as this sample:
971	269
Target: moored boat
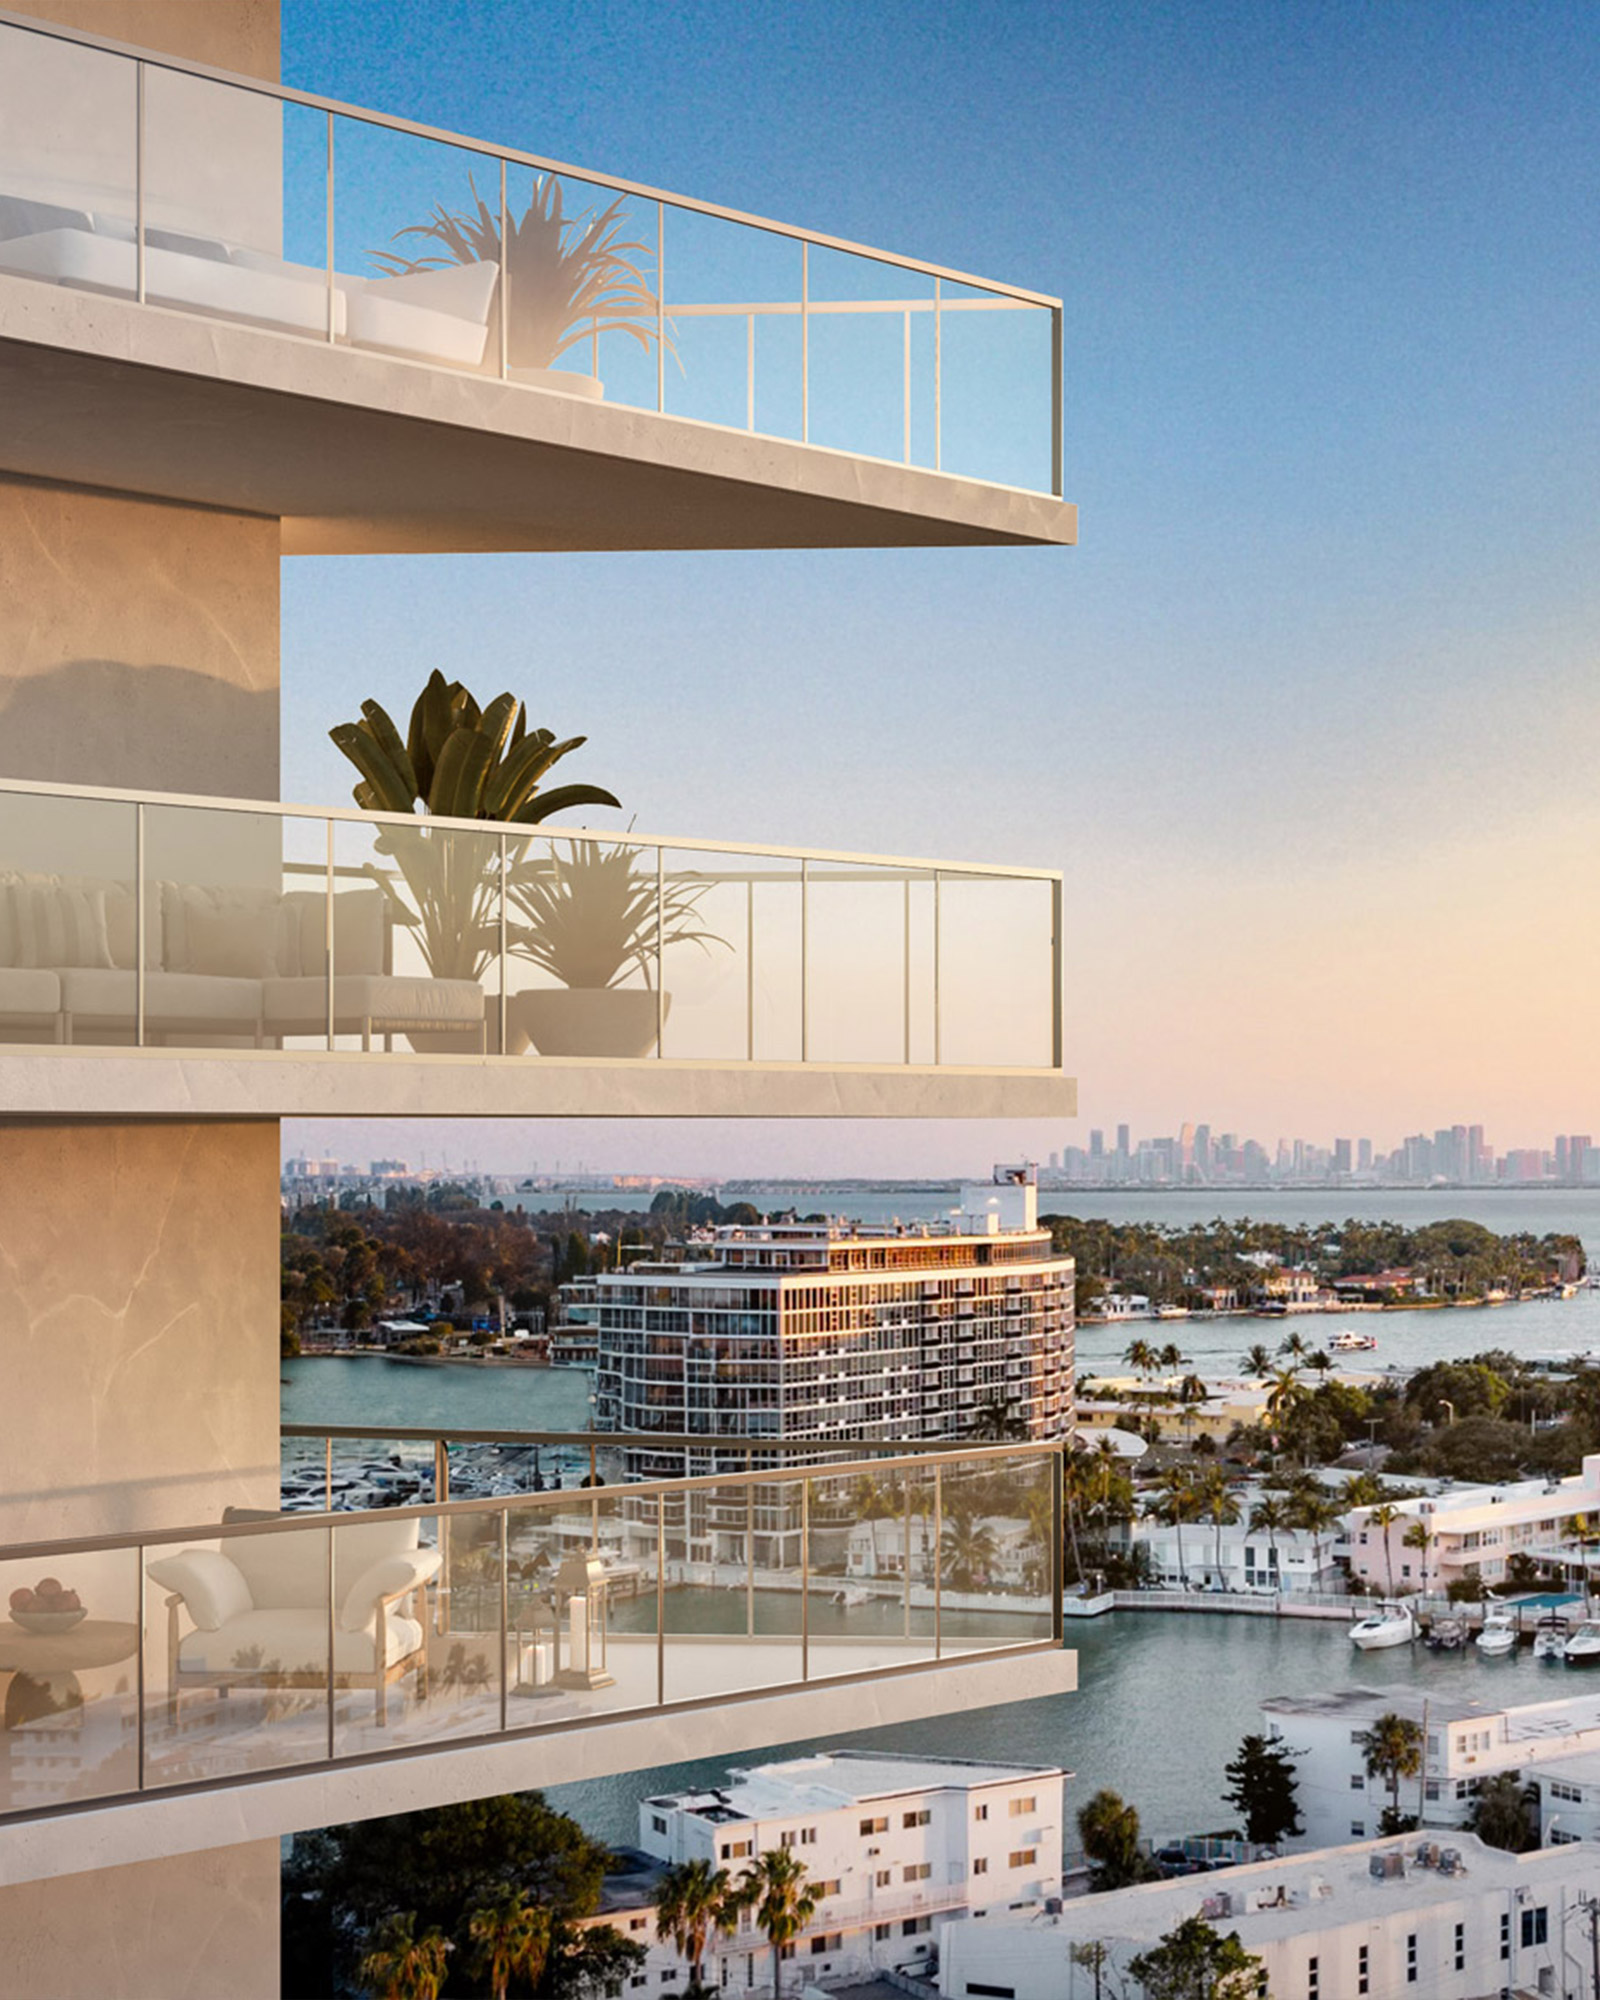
1583	1648
1446	1635
1499	1634
1351	1342
1390	1623
1550	1637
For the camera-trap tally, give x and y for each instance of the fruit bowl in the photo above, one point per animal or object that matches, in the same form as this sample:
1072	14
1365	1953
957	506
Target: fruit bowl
49	1621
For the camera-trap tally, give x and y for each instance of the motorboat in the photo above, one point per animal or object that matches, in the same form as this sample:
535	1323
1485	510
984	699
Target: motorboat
1353	1343
1583	1648
1446	1635
1499	1633
1550	1637
1390	1623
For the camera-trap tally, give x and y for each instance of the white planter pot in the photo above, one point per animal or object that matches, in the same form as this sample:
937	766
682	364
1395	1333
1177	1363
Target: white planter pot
584	1021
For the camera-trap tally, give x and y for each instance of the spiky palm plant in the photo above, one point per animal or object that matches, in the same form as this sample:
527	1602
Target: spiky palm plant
569	276
457	761
399	1965
591	919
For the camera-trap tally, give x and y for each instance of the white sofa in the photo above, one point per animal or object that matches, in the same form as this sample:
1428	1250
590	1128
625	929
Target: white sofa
232	962
438	315
255	1613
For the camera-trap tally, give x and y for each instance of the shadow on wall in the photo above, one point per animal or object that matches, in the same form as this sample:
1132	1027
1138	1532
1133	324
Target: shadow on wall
160	728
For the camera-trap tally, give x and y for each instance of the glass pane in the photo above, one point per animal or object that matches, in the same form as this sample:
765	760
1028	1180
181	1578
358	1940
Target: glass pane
213	181
219	931
416	938
996	982
581	301
866	1607
69	928
583	947
862	956
305	197
69	1655
236	1655
994	1549
869	344
416	233
995	397
733	323
710	905
418	1638
67	163
295	1002
582	1585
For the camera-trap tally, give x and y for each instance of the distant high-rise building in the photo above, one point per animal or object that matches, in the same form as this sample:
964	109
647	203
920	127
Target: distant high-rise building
1123	1140
1341	1156
1097	1145
1364	1156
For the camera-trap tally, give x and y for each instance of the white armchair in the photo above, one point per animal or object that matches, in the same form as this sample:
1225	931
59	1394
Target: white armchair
257	1616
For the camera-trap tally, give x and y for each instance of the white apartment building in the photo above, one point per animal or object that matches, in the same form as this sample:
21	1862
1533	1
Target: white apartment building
1475	1531
1231	1555
892	1846
1417	1919
841	1332
1554	1745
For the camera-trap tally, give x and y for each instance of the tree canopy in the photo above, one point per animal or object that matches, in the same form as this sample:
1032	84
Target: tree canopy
1194	1962
1261	1786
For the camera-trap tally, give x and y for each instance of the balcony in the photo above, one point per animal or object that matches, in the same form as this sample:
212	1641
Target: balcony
190	956
246	1680
394	338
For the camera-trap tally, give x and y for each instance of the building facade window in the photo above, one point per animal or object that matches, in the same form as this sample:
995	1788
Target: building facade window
981	1865
1535	1926
1505	1933
1461	1947
1364	1969
1022	1857
922	1818
1313	1979
1411	1959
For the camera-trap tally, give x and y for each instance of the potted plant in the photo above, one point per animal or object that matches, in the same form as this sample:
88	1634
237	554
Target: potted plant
568	277
458	761
591	917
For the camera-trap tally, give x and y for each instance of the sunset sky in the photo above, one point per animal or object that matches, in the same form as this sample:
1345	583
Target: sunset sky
1309	718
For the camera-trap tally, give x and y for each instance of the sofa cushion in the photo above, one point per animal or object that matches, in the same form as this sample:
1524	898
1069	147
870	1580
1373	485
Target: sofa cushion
235	932
24	991
294	1642
58	923
178	999
212	1588
438	315
29	218
383	1579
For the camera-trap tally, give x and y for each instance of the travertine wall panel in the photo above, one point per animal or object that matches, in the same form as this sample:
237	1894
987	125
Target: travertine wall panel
138	1325
239	35
138	642
194	1928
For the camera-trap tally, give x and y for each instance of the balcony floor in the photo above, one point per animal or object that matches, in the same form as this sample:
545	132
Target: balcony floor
238	1083
359	452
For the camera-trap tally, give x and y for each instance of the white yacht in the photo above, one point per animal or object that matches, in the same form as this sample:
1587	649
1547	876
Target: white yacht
1389	1623
1583	1648
1550	1637
1499	1633
1353	1343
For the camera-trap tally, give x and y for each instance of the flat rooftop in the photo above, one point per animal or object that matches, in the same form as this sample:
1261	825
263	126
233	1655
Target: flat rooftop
835	1778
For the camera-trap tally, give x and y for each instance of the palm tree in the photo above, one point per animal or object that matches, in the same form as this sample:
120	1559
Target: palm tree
511	1933
1109	1830
1258	1361
1364	1490
871	1504
1419	1536
399	1965
1220	1508
1176	1504
1383	1517
1140	1355
968	1551
994	1422
775	1888
1268	1517
1171	1356
1504	1814
1392	1749
1321	1361
695	1900
1294	1346
1191	1390
1316	1512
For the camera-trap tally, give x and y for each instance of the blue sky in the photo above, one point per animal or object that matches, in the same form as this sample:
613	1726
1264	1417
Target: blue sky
1308	718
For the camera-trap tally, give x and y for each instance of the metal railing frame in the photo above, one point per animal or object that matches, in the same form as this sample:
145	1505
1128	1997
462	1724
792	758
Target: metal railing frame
997	295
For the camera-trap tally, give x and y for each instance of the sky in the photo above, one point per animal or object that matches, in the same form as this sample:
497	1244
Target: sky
1309	718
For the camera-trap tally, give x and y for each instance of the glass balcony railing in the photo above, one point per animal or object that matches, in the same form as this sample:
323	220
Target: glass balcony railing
179	923
155	180
212	1655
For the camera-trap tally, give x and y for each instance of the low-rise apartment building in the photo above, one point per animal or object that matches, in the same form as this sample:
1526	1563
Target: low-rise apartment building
1418	1917
891	1845
1553	1745
1473	1531
1202	1554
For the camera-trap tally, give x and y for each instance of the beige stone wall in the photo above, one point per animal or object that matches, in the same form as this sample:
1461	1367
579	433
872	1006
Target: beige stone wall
138	1325
200	1927
239	35
138	642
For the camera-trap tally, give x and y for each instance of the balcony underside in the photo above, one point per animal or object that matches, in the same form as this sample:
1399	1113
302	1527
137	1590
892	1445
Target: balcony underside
235	1083
728	1726
365	453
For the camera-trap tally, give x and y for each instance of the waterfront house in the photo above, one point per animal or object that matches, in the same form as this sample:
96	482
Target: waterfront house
1475	1532
204	372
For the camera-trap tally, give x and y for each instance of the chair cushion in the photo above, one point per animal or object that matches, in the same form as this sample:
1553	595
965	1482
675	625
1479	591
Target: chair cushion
359	923
212	1589
383	1579
388	1000
58	923
23	991
294	1642
234	933
178	998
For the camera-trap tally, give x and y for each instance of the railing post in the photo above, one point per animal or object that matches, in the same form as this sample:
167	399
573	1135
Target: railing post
1057	976
750	1549
328	935
805	966
905	1562
661	989
331	296
750	971
938	375
938	1560
505	1607
805	1579
661	306
1058	1478
505	283
139	917
805	342
750	372
661	1600
332	1626
907	319
505	957
1057	405
138	182
327	1475
938	1023
140	1692
906	967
